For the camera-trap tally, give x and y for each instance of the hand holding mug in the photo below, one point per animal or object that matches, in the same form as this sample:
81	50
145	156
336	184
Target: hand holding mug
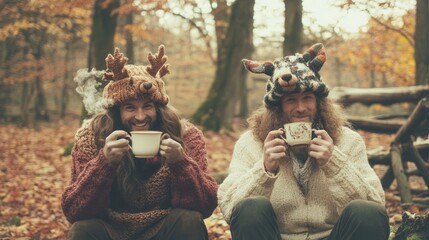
116	146
274	150
171	150
321	147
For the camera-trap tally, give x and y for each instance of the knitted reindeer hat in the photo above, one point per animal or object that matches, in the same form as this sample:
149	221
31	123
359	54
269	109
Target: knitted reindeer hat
292	74
128	82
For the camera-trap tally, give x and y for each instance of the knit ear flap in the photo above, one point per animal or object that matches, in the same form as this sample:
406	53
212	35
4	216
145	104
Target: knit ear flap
316	56
257	67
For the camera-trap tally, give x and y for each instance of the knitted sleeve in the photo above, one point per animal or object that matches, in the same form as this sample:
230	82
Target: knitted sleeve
91	178
246	177
191	186
348	173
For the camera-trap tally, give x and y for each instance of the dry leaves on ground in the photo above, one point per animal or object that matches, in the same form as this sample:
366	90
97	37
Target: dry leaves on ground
33	172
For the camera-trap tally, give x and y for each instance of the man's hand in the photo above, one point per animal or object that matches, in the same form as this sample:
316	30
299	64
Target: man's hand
171	150
274	151
321	147
116	146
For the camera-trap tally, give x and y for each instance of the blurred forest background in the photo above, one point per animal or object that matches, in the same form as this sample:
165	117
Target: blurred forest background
44	43
370	45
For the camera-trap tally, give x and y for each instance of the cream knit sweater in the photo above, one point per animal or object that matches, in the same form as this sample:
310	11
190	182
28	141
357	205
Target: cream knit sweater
345	177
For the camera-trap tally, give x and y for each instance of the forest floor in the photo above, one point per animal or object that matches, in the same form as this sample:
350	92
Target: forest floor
34	172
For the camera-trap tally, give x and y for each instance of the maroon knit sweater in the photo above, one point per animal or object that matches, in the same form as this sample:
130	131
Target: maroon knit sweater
88	194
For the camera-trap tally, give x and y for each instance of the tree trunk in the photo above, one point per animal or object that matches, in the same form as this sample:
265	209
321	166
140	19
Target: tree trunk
26	98
4	88
64	97
219	108
221	17
421	37
37	43
129	38
102	34
102	38
293	27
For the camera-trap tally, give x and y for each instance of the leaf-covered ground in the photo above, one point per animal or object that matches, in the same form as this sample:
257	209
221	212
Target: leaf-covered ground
33	173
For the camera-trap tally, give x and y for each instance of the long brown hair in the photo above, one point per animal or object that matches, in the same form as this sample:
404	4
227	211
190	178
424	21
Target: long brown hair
330	117
168	121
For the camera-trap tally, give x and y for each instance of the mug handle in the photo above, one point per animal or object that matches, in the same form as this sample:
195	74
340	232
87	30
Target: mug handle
282	137
165	136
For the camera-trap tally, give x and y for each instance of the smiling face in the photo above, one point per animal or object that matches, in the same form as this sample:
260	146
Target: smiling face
138	115
299	107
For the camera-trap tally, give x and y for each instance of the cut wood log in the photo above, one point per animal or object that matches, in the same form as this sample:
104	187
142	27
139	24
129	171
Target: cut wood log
375	125
386	96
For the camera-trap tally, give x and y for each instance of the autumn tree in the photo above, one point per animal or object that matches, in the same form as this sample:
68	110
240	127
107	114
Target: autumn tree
219	108
293	27
382	55
421	37
102	32
27	29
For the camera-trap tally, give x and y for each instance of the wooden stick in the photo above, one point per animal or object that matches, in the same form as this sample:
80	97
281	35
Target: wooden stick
398	170
387	178
420	164
417	116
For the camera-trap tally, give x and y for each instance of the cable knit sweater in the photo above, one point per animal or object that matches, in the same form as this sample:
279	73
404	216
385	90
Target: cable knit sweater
91	192
345	177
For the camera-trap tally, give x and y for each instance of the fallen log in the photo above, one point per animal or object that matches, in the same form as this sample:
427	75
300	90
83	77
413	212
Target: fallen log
375	125
381	156
386	96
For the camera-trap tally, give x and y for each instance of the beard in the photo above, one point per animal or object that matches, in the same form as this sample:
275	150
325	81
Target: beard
133	125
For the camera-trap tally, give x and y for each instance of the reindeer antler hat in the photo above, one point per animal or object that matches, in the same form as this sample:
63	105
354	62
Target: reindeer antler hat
292	74
127	82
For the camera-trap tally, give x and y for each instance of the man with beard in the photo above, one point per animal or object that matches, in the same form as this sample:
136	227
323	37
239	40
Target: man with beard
114	195
323	190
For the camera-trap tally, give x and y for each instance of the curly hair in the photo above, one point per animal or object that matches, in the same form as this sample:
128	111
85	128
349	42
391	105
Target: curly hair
330	117
103	124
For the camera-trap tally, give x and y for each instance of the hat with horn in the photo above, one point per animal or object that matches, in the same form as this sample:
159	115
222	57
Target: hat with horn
292	74
128	82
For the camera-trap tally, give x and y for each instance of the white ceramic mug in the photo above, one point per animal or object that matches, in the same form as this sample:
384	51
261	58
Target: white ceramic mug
145	144
297	133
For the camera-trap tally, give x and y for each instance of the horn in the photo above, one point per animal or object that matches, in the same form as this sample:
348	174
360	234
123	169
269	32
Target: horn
257	67
316	56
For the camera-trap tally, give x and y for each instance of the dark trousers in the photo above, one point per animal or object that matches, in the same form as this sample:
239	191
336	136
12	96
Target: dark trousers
180	224
254	218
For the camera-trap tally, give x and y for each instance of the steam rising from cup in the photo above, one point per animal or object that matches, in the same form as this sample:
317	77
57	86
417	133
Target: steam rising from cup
88	88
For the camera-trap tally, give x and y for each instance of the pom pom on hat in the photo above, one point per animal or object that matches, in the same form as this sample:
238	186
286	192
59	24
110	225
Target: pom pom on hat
128	82
292	74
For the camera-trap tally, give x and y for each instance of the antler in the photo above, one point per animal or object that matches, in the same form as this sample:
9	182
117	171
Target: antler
115	66
157	62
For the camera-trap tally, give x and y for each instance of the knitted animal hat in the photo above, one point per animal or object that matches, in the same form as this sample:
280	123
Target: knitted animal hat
292	74
128	82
